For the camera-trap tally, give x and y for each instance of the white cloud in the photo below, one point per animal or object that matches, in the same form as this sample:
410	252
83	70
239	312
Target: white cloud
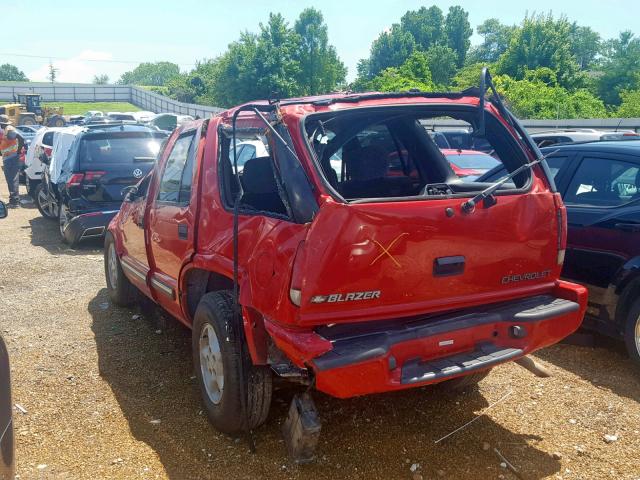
77	69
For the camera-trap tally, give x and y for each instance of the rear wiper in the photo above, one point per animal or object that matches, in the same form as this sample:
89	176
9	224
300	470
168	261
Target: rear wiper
144	159
470	205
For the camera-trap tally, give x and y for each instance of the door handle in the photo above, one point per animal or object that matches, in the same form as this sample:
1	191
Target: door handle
628	227
183	231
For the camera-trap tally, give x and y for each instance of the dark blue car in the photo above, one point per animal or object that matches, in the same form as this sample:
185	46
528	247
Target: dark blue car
600	186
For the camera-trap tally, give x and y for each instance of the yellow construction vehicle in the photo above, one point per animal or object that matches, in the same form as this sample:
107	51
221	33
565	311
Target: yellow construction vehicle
28	111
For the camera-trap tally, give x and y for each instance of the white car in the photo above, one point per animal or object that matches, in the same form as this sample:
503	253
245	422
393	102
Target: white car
28	132
42	144
546	139
142	116
249	149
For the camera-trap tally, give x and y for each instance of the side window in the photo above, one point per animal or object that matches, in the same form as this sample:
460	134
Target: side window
177	167
603	182
555	164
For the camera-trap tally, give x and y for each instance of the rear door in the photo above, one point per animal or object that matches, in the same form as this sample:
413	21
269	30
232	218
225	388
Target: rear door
170	218
603	222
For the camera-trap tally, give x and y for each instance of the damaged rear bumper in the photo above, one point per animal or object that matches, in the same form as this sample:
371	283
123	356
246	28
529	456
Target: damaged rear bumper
373	357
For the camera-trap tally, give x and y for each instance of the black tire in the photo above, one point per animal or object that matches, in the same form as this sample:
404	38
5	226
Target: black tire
47	209
62	222
27	121
121	291
632	333
215	311
459	384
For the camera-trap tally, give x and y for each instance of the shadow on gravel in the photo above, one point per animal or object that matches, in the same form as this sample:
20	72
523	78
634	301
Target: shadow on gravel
606	365
370	437
45	233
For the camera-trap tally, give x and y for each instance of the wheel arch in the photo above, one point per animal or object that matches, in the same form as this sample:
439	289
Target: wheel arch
197	281
629	293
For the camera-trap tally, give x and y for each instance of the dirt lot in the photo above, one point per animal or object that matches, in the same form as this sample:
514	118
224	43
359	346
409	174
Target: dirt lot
92	378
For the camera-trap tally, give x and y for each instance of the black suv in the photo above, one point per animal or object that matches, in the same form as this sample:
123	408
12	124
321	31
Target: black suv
600	186
101	162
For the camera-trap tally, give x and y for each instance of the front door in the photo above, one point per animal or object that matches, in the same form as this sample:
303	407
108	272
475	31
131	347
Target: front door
171	219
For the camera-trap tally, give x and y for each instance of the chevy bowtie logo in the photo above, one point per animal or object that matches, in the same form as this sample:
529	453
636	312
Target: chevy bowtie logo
386	250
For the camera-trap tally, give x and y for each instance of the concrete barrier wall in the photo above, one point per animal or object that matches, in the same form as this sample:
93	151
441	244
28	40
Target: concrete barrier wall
146	100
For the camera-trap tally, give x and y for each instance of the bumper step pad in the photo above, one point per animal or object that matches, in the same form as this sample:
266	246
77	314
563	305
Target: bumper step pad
485	356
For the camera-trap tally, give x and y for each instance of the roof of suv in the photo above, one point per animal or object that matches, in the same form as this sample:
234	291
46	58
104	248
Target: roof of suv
627	147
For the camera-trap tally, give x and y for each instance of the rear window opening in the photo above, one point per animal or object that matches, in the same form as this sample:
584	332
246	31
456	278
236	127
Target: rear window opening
395	153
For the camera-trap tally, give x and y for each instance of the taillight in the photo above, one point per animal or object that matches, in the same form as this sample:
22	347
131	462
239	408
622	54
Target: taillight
295	289
561	223
92	176
75	180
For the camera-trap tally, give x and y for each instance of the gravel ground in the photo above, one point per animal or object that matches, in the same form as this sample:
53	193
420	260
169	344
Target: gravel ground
110	394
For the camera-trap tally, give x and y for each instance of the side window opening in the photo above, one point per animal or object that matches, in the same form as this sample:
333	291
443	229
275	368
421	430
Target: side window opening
256	173
175	185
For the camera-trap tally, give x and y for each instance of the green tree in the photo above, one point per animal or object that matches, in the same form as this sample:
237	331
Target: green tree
458	32
541	41
53	73
469	76
100	79
11	73
391	49
275	63
495	41
413	74
585	45
533	98
620	68
234	72
321	70
426	25
156	73
630	106
442	64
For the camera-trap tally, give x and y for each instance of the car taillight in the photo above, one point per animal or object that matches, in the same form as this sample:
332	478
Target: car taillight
295	289
92	176
561	222
75	180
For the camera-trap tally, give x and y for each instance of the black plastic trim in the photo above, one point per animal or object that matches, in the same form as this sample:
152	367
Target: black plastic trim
484	356
354	343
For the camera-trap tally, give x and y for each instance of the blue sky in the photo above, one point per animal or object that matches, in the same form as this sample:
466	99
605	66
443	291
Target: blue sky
184	31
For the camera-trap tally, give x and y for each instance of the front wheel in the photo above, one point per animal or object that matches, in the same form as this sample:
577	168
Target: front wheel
224	369
632	333
121	291
47	206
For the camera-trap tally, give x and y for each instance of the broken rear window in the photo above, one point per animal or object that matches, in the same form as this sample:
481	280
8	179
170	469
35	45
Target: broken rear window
390	152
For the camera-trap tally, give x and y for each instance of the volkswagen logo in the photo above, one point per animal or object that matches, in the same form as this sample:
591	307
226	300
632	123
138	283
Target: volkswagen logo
137	173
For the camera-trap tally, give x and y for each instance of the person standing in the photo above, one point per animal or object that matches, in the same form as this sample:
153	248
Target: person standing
9	145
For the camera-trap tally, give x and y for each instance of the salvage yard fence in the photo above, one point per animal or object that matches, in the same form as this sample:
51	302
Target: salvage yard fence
147	100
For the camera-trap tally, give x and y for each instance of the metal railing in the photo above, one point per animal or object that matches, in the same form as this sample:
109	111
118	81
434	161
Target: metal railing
147	100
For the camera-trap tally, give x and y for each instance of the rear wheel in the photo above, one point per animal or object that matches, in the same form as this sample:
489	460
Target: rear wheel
459	384
632	333
224	369
121	291
47	207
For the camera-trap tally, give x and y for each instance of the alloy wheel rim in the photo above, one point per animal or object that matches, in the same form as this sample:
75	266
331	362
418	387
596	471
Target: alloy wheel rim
112	263
211	364
45	203
62	220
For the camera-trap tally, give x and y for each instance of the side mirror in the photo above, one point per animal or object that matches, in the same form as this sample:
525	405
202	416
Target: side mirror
3	210
129	193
